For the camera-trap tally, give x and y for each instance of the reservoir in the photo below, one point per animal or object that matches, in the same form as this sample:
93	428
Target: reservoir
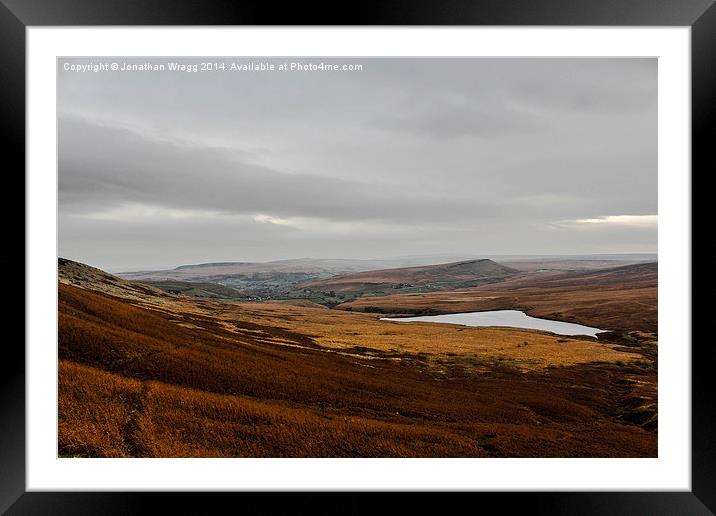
506	318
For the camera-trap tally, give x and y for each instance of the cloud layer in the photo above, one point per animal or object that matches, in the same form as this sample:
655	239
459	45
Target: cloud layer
483	156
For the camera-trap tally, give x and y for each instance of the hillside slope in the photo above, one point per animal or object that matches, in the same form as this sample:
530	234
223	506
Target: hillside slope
429	277
211	271
634	275
85	276
88	277
260	280
197	289
620	299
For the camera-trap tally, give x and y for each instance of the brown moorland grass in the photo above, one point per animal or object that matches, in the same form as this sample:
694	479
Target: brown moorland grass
162	420
524	349
94	410
169	377
619	299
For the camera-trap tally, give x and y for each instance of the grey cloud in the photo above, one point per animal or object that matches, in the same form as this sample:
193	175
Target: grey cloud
408	156
124	167
460	121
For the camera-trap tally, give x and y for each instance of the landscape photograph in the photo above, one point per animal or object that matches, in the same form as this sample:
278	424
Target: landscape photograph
357	257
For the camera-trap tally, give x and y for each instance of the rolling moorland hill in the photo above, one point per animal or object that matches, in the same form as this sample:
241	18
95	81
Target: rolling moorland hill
197	289
210	271
567	264
429	277
85	276
279	279
326	267
143	373
633	275
262	280
622	299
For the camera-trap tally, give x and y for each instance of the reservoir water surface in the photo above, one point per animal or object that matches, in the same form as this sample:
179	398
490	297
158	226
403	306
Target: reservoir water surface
507	318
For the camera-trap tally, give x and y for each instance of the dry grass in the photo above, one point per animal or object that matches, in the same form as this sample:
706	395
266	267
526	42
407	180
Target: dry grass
525	348
160	420
167	377
95	408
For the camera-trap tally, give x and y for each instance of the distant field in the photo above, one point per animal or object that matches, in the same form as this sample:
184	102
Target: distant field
149	374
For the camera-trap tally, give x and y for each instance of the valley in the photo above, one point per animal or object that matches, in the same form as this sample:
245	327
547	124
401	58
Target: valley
183	369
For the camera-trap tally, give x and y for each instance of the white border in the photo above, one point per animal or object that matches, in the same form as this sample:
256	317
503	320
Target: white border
670	471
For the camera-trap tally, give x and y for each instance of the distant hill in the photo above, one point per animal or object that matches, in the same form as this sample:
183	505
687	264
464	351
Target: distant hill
635	275
279	278
203	290
621	298
444	276
566	265
87	277
223	270
265	280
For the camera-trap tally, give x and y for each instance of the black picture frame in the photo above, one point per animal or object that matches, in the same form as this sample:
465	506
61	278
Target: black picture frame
17	15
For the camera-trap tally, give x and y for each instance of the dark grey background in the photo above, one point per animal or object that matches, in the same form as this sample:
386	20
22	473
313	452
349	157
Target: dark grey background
547	12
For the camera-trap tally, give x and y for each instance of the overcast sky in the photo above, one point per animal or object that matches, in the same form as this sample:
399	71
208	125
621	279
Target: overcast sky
406	157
